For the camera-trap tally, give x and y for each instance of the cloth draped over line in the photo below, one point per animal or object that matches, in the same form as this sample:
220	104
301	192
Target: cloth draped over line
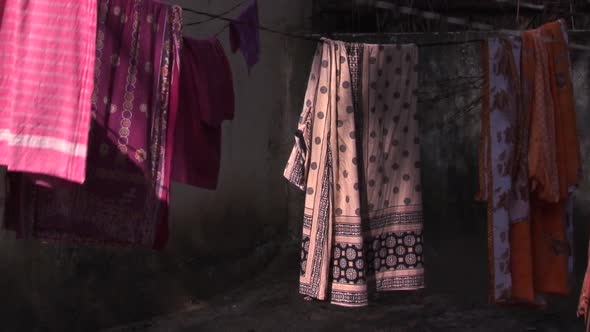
244	34
124	200
206	100
356	156
529	164
47	55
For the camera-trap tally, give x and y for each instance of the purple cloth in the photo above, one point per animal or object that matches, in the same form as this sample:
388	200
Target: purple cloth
244	34
125	198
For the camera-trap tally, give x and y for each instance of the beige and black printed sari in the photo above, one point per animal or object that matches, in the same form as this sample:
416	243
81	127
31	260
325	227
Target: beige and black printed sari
356	156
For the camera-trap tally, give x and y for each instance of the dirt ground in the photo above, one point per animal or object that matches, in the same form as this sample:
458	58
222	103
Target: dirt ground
271	303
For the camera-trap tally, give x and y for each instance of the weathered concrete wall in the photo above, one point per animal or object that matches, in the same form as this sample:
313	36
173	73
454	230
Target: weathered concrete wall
217	236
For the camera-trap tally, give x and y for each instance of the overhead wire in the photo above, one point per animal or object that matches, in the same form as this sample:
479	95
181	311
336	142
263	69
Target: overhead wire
300	36
258	26
229	10
410	11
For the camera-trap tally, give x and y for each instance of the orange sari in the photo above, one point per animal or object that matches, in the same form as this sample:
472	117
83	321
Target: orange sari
539	249
551	186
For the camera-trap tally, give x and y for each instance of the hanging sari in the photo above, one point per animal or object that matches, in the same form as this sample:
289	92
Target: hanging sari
124	200
47	57
503	163
529	165
356	156
558	139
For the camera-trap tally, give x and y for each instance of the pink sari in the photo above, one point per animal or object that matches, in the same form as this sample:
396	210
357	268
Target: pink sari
47	55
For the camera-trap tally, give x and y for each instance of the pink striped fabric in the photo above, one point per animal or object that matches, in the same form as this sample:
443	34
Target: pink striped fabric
47	55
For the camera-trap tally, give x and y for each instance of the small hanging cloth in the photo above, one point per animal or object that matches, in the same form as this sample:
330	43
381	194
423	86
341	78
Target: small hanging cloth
244	34
206	100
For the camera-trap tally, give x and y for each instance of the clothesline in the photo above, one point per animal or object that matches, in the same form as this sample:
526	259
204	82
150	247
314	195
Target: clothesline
459	21
220	14
260	27
309	37
479	26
